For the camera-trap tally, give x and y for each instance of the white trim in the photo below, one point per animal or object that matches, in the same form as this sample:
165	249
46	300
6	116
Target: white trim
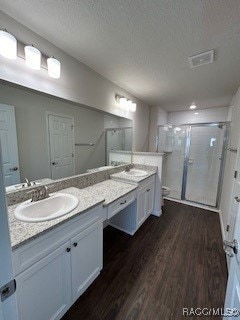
222	225
157	213
8	308
48	138
193	204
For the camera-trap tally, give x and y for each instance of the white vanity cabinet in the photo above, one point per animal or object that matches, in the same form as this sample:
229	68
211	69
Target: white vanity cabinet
50	279
129	215
86	258
43	290
145	200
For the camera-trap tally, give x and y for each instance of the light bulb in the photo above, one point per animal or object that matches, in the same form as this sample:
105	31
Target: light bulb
122	101
8	45
193	106
54	68
33	57
133	107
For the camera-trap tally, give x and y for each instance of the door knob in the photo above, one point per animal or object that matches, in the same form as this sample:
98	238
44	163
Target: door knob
13	169
230	244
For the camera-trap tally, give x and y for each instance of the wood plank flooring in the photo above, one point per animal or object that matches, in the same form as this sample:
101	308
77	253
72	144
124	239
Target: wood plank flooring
172	262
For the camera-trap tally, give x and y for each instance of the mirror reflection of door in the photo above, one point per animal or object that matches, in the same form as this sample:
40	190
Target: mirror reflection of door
60	132
8	136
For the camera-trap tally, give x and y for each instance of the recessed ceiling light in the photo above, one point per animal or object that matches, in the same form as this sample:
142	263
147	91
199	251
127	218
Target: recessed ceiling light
196	112
193	106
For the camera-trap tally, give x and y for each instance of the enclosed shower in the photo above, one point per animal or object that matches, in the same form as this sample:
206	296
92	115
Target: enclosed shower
118	139
194	160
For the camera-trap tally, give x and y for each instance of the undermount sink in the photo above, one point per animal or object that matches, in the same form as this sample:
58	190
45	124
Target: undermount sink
136	173
57	205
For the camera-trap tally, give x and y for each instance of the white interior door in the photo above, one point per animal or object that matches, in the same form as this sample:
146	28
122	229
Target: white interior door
233	288
8	137
232	300
61	146
8	309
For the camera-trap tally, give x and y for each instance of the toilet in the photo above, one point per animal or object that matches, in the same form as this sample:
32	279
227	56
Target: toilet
165	192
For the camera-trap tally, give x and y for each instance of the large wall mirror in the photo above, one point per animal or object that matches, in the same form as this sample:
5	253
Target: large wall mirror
43	137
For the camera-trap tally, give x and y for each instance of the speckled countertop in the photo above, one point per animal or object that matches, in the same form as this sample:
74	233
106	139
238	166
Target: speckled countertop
121	176
111	190
104	192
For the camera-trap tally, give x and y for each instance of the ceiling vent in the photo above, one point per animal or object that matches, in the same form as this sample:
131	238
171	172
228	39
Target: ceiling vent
201	59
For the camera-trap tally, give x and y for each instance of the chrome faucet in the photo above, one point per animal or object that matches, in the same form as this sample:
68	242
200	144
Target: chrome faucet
39	193
129	167
28	182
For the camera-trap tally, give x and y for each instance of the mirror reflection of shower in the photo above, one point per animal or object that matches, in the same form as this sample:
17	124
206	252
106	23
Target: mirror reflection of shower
118	140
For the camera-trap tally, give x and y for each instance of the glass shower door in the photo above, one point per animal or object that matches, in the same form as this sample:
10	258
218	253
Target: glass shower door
203	162
172	141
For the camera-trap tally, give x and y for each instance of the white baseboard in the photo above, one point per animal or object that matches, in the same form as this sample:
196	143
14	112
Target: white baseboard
157	213
222	226
193	204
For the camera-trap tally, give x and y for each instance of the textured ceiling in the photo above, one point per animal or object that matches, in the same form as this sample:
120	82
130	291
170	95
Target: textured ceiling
144	45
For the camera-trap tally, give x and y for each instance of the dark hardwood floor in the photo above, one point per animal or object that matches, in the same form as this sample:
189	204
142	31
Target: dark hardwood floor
172	262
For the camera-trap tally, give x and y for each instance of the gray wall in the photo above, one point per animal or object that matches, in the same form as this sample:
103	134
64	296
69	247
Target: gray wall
30	109
78	83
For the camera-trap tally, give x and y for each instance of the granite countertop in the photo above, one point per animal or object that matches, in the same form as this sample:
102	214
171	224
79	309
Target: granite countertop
104	192
22	232
111	190
121	176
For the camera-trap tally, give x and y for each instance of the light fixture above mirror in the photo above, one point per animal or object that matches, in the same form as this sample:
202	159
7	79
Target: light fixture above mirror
128	104
33	56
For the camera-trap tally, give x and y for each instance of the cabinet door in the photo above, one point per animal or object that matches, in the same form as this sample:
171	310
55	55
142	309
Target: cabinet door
141	207
86	258
44	290
149	199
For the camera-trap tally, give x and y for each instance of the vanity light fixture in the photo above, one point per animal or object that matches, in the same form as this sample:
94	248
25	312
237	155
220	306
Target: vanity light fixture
193	106
54	68
33	57
8	49
128	104
133	107
8	45
122	101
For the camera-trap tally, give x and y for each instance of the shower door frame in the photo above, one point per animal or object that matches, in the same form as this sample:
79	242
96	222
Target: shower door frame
187	153
106	141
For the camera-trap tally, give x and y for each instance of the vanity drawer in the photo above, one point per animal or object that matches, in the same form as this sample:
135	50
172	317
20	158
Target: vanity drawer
120	204
34	250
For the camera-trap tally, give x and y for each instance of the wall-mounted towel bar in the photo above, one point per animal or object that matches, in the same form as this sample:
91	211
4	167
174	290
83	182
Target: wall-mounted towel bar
84	144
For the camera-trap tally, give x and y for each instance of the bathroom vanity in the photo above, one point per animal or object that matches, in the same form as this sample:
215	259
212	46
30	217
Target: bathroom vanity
55	261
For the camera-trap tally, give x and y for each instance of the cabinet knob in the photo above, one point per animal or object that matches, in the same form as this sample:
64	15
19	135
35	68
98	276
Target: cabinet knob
148	190
75	244
123	202
68	249
13	169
